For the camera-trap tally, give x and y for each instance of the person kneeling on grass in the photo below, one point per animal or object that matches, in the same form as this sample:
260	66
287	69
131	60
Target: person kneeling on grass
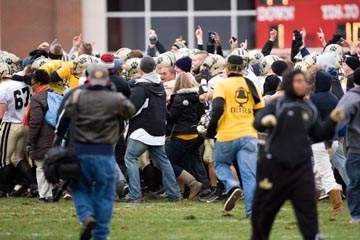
285	169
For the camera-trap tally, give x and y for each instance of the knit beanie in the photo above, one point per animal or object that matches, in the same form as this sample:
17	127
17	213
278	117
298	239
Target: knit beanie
357	76
278	67
184	64
327	61
352	62
107	60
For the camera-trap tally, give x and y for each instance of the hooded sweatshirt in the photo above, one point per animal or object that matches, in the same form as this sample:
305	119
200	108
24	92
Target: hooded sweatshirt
295	116
149	99
323	99
328	61
351	104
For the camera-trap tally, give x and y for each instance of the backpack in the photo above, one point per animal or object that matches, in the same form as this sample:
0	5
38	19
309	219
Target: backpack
53	100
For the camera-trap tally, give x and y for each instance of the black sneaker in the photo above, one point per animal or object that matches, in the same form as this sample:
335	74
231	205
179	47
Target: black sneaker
205	192
46	200
213	197
57	193
17	191
88	226
233	195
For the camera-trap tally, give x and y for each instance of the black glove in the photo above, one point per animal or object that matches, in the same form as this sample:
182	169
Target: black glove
205	74
298	38
57	141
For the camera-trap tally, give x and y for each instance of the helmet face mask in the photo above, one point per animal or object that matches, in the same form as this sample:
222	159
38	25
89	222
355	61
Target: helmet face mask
214	63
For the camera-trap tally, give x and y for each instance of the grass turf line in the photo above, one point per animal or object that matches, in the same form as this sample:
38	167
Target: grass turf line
23	219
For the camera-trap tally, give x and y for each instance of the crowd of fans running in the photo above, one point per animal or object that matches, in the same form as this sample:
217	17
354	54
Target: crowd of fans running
188	124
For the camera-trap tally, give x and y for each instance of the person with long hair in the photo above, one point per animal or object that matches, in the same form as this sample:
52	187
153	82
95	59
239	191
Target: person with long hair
184	112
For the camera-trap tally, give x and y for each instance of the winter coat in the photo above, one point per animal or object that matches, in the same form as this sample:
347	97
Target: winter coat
184	112
298	126
41	134
99	112
323	99
149	99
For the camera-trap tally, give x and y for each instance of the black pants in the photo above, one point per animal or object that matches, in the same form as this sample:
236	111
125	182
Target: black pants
275	185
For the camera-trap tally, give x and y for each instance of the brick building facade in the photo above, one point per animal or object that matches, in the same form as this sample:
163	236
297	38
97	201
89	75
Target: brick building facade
24	24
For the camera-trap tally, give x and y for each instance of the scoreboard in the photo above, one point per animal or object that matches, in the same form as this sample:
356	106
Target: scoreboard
333	16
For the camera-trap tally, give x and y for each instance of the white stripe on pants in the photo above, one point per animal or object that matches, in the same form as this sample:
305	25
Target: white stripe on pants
44	187
324	175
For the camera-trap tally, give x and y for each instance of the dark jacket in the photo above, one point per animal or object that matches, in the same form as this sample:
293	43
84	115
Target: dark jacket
336	88
350	82
120	85
298	126
41	135
99	112
323	99
184	112
149	99
266	50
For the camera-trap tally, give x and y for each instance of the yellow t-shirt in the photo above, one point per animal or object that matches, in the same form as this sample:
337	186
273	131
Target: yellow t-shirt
238	117
50	67
65	72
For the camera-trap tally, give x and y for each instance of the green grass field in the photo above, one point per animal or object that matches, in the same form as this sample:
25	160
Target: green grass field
26	219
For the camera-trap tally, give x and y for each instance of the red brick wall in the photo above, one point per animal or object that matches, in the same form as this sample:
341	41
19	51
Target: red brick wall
24	24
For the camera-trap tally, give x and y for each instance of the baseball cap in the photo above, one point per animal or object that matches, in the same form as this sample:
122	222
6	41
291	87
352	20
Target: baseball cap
98	74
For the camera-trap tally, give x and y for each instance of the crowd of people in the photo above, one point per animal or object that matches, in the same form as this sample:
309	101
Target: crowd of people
186	124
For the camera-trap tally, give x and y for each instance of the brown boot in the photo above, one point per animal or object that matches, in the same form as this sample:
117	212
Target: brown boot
336	200
187	179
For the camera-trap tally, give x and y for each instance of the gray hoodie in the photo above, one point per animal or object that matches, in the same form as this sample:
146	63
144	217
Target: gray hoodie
351	104
151	77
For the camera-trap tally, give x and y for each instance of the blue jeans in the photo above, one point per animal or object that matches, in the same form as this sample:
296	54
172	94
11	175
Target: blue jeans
158	157
353	188
244	150
338	160
93	193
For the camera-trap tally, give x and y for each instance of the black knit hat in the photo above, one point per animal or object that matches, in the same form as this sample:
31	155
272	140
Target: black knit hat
357	76
352	62
278	67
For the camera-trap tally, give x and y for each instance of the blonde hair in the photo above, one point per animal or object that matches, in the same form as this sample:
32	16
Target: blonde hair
182	81
312	78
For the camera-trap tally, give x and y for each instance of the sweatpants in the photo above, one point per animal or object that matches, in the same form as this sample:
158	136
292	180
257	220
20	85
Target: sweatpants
275	185
44	187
